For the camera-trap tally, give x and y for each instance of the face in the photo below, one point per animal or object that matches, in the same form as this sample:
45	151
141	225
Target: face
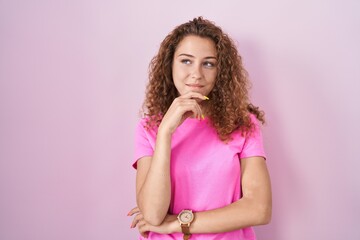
194	65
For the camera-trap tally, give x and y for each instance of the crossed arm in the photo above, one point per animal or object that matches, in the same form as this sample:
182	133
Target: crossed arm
254	208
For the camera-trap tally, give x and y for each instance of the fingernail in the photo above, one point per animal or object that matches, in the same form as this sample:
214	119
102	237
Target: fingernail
206	98
202	116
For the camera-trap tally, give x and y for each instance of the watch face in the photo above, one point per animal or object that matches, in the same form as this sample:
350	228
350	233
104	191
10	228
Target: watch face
186	216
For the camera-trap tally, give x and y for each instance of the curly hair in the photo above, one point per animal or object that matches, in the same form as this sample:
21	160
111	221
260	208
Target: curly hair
230	106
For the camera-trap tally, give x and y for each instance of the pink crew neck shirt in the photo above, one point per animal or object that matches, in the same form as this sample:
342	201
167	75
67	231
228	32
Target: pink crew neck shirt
205	172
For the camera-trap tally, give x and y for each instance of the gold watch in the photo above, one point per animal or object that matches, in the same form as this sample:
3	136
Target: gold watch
185	218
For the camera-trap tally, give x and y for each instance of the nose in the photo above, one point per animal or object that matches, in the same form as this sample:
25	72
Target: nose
196	71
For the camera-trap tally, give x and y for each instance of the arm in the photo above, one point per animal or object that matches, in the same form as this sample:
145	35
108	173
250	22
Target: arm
254	208
153	182
153	189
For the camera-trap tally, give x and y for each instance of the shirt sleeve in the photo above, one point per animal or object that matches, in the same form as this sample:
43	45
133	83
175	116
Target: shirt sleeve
143	146
253	145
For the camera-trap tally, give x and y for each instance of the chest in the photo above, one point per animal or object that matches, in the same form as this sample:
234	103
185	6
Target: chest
199	151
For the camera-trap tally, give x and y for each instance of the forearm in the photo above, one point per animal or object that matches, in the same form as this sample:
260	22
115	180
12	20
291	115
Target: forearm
243	213
154	196
238	215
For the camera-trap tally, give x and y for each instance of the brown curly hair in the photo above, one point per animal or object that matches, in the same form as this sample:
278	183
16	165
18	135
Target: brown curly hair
230	107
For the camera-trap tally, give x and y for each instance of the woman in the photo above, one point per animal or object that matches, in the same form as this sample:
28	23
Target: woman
201	170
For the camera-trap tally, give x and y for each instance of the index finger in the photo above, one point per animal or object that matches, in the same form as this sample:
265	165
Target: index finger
194	95
133	211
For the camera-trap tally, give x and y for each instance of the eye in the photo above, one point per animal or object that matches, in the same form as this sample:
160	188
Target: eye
185	61
209	64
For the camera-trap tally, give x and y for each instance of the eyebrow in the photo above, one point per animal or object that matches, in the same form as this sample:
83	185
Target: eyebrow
191	56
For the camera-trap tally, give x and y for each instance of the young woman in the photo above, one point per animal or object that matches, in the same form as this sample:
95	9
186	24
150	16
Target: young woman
201	170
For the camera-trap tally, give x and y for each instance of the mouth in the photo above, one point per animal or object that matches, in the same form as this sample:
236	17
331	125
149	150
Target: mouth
196	86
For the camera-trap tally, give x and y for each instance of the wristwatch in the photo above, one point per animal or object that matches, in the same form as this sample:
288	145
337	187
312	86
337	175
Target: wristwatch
185	218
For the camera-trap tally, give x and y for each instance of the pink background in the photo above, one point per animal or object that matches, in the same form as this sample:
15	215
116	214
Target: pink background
72	79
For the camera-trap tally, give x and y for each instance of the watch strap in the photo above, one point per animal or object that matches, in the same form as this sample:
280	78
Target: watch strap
186	231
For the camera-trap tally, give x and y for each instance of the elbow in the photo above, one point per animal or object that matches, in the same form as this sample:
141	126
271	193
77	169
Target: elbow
263	215
154	220
266	218
153	217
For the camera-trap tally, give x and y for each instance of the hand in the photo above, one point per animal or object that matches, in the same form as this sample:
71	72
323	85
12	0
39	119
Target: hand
168	226
181	108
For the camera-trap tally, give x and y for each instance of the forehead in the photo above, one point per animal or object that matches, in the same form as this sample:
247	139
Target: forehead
196	46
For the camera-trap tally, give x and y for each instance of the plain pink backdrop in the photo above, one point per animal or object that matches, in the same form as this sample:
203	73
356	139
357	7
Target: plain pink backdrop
72	79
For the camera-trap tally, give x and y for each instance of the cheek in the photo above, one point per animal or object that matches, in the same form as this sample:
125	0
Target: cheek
178	71
211	77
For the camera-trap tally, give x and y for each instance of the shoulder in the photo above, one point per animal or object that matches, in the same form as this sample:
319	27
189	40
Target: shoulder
253	126
255	123
142	121
146	126
254	119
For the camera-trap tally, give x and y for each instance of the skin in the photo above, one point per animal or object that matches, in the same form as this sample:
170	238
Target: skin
194	75
194	65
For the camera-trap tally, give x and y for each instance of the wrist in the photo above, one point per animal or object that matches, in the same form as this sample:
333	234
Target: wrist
175	225
164	132
185	218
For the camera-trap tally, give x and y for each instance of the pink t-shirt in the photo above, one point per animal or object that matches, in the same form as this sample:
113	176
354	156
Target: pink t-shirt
205	172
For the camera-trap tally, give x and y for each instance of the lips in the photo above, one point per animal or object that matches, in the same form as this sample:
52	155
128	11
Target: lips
194	85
